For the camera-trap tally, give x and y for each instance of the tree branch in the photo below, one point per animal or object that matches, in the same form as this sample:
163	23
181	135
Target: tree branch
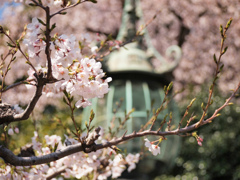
16	84
25	115
12	159
68	7
89	145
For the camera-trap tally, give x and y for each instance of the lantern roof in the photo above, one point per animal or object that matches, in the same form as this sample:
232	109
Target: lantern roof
136	56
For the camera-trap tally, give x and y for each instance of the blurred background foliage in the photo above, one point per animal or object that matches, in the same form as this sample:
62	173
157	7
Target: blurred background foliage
219	156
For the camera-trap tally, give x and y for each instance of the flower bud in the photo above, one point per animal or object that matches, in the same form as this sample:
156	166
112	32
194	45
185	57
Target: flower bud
10	131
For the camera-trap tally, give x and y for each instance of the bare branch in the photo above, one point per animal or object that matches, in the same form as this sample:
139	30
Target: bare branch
68	7
17	84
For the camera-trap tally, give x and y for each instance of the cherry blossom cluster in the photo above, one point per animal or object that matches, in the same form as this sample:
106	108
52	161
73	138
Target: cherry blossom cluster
81	77
33	40
76	165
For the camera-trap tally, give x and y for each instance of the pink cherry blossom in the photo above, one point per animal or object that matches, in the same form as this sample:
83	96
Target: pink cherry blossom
34	26
52	140
83	103
16	130
10	131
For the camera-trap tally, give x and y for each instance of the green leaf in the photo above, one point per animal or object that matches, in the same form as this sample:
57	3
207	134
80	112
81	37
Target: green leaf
211	87
40	1
71	99
221	30
221	67
192	101
229	23
165	88
10	45
202	106
41	22
55	147
31	4
65	93
86	124
93	1
109	37
225	50
170	86
53	26
214	58
211	102
165	117
92	114
81	45
63	13
14	58
64	100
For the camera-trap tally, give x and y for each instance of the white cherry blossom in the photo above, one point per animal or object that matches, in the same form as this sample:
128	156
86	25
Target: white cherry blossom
132	159
154	149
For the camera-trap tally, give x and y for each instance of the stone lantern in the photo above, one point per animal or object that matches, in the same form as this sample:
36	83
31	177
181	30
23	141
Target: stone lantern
139	85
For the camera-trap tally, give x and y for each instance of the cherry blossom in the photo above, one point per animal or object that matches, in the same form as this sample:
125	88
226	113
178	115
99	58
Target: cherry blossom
17	108
16	130
154	149
53	140
10	131
35	26
132	160
118	166
32	40
36	145
94	50
83	103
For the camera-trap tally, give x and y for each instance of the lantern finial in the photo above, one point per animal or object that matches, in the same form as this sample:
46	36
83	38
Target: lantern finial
136	56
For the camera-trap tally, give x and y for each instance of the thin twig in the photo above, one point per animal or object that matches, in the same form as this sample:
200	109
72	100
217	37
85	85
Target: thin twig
68	7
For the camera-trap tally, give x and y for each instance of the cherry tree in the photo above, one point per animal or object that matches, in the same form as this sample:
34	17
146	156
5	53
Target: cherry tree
58	67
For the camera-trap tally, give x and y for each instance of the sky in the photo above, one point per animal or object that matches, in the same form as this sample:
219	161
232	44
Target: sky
1	9
3	6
